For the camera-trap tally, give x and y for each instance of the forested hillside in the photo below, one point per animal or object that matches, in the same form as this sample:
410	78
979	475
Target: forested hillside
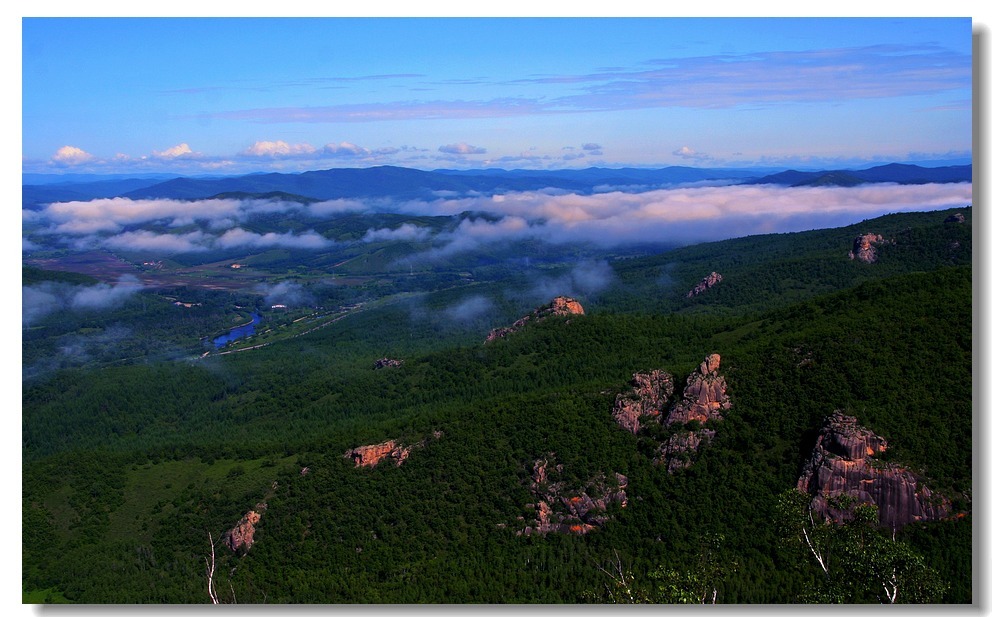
134	470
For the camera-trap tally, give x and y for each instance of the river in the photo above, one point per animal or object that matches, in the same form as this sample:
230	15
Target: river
240	332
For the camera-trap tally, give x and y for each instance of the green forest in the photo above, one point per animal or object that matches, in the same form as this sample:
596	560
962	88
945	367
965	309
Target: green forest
146	444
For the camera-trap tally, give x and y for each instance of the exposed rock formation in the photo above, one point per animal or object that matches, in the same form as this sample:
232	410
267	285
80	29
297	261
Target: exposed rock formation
560	306
571	510
864	248
387	363
371	455
712	279
649	401
676	452
243	534
704	397
842	464
957	217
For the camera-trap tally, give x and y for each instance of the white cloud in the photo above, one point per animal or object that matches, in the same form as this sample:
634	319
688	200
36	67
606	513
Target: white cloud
278	148
175	152
683	215
239	237
345	149
609	218
151	242
461	149
336	206
473	233
102	295
303	151
405	232
71	155
110	215
686	152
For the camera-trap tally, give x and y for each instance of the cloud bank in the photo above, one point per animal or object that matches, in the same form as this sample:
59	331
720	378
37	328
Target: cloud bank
111	223
606	219
238	238
407	232
681	216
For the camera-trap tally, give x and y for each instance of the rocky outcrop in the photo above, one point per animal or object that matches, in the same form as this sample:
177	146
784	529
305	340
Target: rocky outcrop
864	248
711	279
372	455
649	400
704	397
386	363
842	467
677	451
561	306
242	536
957	217
562	509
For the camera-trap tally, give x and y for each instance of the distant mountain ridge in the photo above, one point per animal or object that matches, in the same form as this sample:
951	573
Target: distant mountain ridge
406	183
893	172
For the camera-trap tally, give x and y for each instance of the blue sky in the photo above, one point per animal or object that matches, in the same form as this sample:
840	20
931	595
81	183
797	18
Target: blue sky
239	95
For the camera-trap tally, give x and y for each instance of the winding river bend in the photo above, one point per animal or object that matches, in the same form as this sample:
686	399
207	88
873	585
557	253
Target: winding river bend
239	332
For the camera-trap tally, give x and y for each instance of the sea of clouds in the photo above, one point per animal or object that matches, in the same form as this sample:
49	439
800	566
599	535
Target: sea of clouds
609	219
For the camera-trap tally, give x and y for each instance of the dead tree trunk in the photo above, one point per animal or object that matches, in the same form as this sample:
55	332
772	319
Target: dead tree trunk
211	565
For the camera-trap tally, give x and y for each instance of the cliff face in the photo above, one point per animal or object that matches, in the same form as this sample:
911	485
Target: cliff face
864	248
242	536
649	400
562	509
711	279
842	464
559	306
